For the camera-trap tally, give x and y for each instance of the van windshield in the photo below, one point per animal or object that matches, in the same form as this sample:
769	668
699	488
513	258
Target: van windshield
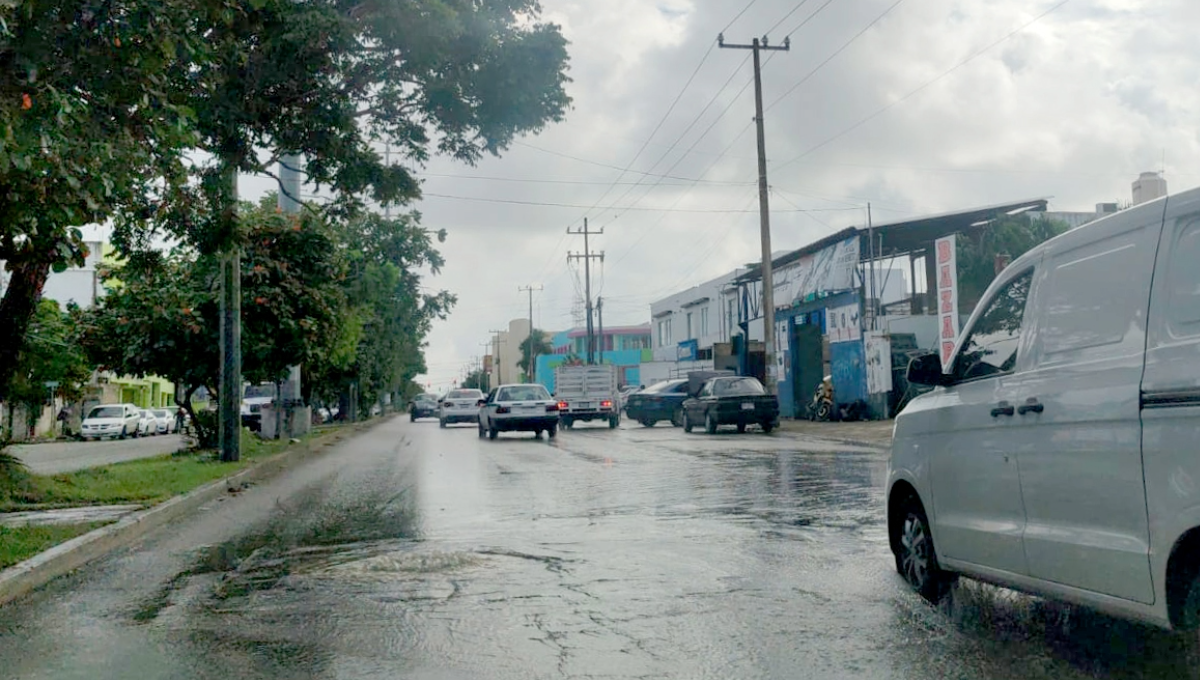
107	412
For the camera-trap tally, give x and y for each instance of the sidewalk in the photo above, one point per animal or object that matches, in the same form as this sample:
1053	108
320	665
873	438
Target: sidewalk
874	433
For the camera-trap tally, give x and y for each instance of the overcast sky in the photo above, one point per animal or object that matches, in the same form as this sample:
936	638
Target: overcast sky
1071	104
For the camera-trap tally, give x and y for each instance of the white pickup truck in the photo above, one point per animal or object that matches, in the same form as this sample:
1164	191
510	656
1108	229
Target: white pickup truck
587	393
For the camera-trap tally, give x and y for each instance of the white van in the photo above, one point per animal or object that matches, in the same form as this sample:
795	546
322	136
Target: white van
1059	454
111	420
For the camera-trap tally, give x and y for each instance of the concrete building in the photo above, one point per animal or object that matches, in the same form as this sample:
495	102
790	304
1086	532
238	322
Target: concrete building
686	325
506	351
80	285
1148	186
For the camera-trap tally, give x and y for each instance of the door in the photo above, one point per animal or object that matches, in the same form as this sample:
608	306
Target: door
807	365
1078	435
978	514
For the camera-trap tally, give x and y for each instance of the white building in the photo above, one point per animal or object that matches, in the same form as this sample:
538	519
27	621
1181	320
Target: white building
506	352
1148	186
701	314
80	285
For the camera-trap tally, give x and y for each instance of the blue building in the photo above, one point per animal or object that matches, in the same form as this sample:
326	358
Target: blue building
626	347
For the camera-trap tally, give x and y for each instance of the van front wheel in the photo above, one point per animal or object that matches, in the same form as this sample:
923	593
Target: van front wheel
916	559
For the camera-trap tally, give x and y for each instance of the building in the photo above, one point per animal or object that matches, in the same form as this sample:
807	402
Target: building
78	285
626	347
506	350
1148	186
686	328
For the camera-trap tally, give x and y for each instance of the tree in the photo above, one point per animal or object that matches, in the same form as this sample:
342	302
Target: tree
121	90
50	354
89	128
160	315
476	379
536	344
1008	238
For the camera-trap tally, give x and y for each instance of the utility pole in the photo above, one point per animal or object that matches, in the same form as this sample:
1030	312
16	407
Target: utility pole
764	211
871	264
288	400
499	364
484	378
587	256
600	320
229	391
530	290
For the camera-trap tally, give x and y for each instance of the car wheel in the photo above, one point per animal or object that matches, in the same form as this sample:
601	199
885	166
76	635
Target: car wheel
741	428
687	424
537	434
552	430
646	422
767	427
493	432
710	423
677	418
916	559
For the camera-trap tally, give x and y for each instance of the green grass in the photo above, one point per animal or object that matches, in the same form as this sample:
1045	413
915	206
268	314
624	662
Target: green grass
147	481
20	543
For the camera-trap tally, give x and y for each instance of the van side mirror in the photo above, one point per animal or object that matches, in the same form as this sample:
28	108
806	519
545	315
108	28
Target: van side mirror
927	370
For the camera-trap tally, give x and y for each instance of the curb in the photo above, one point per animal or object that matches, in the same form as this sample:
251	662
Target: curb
64	558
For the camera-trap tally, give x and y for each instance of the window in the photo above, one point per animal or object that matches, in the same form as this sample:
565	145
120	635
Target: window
729	321
523	393
707	390
703	321
991	348
689	327
1184	283
664	332
738	387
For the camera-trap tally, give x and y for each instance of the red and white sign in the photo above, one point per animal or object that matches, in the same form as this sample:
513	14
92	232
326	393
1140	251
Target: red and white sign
947	297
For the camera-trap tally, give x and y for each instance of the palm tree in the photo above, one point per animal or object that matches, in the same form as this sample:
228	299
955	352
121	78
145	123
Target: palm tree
536	340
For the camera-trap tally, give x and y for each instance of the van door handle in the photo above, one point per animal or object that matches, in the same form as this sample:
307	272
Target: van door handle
1032	405
1003	409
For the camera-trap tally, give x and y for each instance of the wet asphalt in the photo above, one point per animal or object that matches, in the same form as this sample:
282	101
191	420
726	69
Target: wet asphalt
416	552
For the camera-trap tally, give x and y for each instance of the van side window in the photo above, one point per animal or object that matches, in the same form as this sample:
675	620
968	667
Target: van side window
991	348
1092	300
1184	284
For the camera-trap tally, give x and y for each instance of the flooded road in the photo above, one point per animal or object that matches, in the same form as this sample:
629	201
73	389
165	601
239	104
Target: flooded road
421	553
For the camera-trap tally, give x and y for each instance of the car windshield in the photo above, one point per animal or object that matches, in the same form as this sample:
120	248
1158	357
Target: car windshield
260	392
663	386
162	413
523	393
738	387
464	394
107	412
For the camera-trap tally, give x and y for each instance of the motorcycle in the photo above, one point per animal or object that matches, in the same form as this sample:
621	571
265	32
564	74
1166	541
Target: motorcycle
821	406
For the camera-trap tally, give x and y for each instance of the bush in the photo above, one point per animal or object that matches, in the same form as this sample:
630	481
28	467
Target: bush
14	476
205	425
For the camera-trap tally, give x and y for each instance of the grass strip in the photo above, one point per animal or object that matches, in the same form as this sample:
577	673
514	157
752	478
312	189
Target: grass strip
18	544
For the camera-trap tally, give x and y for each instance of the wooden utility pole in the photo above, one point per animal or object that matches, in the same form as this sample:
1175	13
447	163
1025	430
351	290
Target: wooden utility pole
529	369
587	256
764	211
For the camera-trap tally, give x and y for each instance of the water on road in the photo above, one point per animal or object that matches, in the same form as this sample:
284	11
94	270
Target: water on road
416	552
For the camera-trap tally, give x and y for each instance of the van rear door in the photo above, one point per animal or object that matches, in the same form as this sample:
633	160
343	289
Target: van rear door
1078	440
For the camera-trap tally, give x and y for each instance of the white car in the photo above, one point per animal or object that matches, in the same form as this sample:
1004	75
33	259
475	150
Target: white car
459	406
518	408
111	420
164	420
1057	452
148	424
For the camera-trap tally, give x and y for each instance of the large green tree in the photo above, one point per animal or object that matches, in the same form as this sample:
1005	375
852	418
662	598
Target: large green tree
50	354
1004	240
536	345
160	316
244	81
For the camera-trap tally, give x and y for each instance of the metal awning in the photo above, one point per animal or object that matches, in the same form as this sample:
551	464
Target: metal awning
905	236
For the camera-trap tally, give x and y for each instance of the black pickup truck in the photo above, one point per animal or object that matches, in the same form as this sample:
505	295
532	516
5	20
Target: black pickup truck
735	400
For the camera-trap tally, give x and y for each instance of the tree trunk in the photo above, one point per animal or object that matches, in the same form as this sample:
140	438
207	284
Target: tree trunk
16	312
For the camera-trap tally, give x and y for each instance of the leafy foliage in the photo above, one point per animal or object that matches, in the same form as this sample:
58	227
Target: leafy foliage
50	353
1008	236
476	380
535	343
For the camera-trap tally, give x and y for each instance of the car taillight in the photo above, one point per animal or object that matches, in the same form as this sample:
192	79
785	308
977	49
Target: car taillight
502	409
550	408
606	404
562	405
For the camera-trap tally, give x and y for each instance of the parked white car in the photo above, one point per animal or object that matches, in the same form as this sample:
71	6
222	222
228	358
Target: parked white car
1057	454
164	420
518	408
111	420
459	406
148	424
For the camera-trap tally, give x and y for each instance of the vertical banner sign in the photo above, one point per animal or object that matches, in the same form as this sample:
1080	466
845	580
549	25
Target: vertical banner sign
947	297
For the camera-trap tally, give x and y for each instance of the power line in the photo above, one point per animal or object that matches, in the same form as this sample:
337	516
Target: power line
831	57
739	15
785	17
513	201
908	96
534	180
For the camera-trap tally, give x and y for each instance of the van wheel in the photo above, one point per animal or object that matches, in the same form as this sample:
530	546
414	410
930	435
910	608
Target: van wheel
916	559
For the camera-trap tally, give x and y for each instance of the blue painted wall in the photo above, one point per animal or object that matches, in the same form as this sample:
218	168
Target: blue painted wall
849	370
